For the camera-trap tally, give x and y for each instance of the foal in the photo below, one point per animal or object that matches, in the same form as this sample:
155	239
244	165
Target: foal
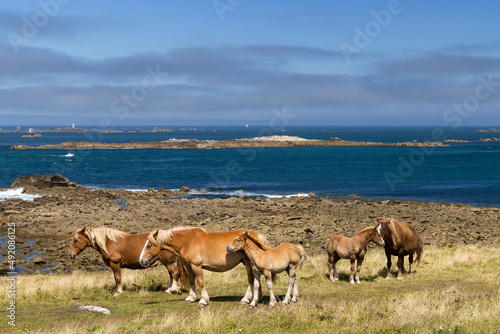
270	261
340	247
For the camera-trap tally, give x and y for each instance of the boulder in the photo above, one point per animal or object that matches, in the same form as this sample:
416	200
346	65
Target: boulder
184	189
42	181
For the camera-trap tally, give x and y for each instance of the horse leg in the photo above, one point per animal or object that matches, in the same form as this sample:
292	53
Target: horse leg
359	262
335	277
198	273
117	272
410	259
256	287
250	276
173	272
330	267
353	268
269	283
291	279
389	264
401	268
295	290
191	298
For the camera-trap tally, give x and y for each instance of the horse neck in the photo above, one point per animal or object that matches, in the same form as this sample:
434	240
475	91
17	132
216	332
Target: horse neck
364	237
252	250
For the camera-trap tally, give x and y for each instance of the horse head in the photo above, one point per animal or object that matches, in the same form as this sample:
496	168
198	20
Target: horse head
79	243
238	243
151	250
388	228
378	235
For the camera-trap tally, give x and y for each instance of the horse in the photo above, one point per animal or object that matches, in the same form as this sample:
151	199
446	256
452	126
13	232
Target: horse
198	249
401	239
121	250
269	262
340	247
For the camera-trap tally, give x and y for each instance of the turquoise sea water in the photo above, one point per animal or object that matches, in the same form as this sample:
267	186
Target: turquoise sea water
465	173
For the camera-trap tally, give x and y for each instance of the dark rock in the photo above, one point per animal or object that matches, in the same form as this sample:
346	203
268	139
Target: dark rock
184	189
42	181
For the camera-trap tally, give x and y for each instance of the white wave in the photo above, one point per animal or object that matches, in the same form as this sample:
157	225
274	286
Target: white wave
17	193
244	193
288	196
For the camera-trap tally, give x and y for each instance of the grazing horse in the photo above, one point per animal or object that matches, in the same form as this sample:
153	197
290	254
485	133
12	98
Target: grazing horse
121	250
401	239
340	247
270	261
199	249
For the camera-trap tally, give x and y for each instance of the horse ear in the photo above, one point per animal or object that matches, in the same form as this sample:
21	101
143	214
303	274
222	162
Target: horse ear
82	230
245	235
155	234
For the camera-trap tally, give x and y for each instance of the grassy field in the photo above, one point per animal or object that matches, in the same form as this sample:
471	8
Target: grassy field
454	290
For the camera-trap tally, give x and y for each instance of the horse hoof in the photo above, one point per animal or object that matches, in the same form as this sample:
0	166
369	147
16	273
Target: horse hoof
271	304
117	294
352	282
189	301
202	304
388	277
399	279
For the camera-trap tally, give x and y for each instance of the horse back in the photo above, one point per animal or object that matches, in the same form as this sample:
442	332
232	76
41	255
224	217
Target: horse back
340	245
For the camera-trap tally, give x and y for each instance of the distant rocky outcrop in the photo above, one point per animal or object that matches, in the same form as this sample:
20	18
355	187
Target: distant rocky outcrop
489	140
43	181
32	134
269	141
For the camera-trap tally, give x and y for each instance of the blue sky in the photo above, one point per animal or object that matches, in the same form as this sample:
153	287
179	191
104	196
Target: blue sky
232	62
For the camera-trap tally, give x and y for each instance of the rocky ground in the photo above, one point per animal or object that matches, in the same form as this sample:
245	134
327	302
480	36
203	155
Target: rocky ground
45	226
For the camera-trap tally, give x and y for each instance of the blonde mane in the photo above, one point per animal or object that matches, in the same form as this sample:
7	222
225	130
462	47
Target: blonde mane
97	236
258	242
372	228
392	229
164	236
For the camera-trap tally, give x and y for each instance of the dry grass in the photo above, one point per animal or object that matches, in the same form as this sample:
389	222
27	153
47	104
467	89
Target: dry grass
455	290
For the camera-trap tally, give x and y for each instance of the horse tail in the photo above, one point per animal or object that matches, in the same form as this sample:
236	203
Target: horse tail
303	256
420	244
183	270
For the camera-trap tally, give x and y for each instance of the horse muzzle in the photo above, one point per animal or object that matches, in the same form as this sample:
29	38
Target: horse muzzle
144	262
72	255
229	249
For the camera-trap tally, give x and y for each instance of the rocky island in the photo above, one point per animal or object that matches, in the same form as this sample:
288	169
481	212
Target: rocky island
257	142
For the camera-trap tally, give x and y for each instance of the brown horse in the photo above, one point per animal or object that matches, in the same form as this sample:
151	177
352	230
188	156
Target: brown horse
401	239
270	261
121	250
340	247
199	249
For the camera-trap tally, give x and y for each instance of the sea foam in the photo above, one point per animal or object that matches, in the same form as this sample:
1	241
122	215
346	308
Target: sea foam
17	193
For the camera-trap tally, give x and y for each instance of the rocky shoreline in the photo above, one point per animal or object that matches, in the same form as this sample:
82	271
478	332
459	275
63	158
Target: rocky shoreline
46	225
258	142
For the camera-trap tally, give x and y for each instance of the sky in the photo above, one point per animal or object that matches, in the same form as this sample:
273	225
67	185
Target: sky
234	62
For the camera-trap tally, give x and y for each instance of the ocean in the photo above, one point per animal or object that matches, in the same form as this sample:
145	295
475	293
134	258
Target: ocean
467	173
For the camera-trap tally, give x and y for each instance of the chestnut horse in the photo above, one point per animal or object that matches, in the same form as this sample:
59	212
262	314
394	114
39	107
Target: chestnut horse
199	249
121	250
340	247
270	261
401	239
